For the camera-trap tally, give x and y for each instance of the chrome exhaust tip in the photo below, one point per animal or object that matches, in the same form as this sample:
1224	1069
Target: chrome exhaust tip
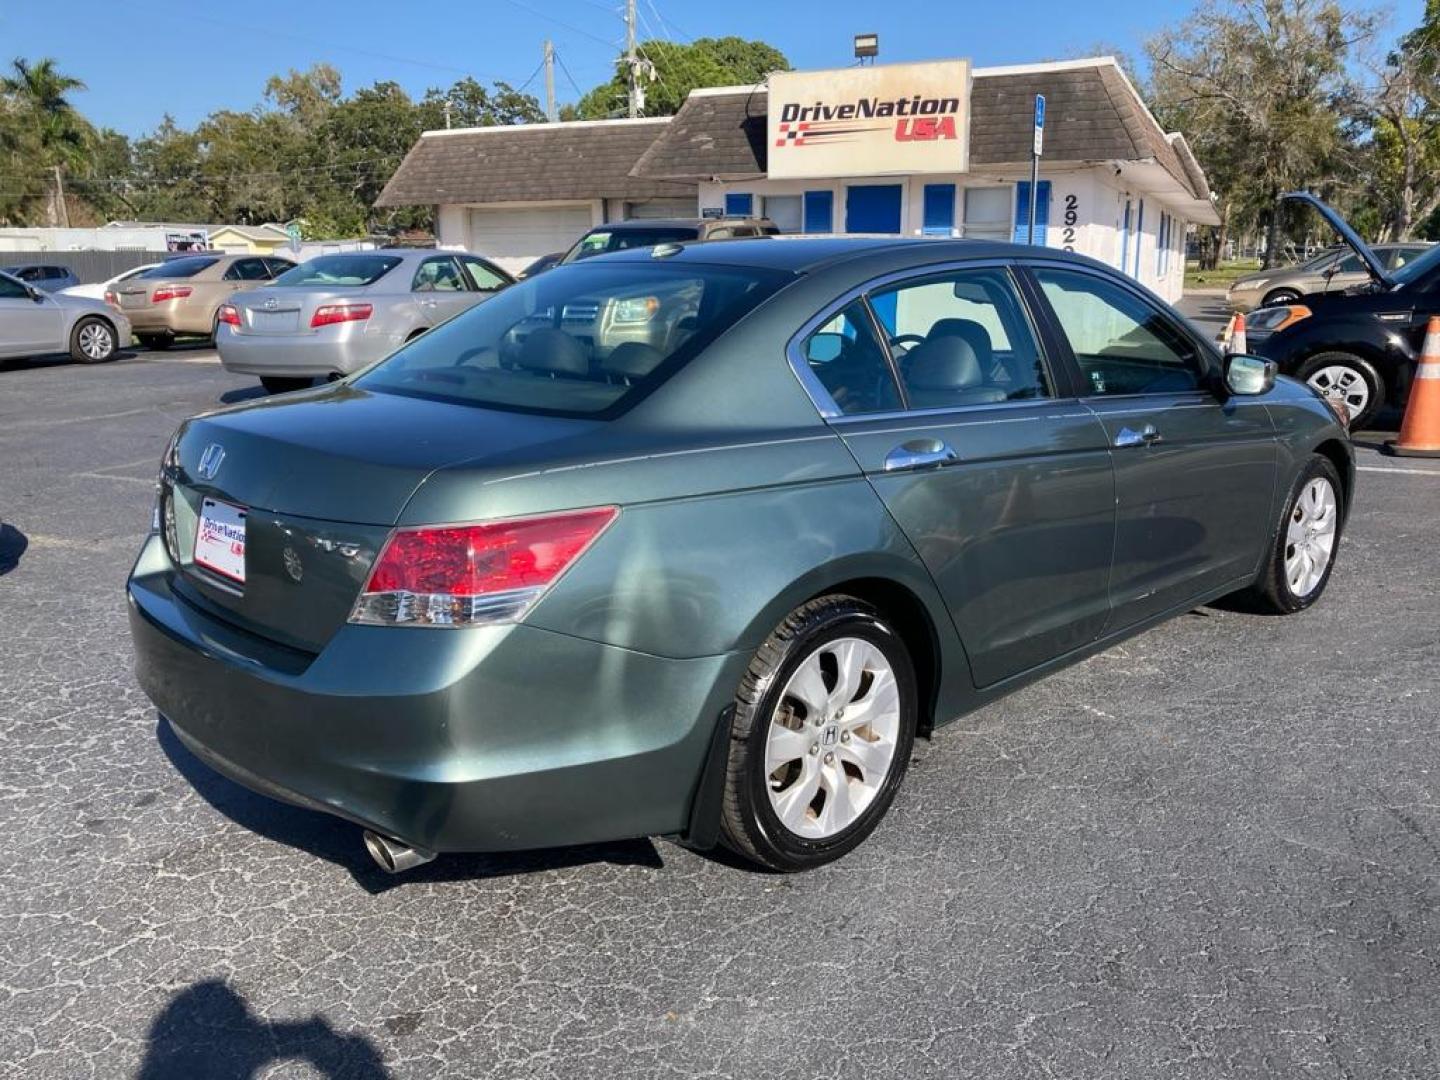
393	856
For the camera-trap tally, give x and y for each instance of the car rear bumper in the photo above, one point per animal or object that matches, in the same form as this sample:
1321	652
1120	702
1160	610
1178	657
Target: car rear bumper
169	318
300	354
482	739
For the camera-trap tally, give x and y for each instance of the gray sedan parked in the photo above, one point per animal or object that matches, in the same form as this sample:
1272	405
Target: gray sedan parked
339	313
36	323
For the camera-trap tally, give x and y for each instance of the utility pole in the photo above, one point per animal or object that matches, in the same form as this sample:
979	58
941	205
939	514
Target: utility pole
447	114
60	208
550	113
632	62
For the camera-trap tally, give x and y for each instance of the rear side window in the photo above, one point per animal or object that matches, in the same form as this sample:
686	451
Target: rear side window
577	340
247	270
181	268
340	270
962	339
438	275
848	359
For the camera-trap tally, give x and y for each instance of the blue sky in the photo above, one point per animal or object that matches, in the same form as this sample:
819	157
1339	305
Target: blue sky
142	58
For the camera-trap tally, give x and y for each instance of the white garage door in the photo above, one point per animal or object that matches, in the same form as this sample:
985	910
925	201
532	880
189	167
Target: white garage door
515	238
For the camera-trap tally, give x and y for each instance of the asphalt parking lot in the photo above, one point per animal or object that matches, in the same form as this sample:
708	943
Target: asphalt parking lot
1211	852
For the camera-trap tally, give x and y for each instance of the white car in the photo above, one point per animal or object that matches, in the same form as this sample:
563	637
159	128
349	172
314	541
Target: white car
35	323
98	291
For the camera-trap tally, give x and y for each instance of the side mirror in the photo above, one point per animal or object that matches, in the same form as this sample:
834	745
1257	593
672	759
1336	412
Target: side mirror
1246	376
35	294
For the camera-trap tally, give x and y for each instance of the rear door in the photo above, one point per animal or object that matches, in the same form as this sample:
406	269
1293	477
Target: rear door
440	288
939	386
1194	472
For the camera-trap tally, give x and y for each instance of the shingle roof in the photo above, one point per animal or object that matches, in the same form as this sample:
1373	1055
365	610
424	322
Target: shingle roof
1092	114
529	163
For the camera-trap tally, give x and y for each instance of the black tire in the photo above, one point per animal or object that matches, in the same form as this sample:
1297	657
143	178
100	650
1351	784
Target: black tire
749	824
93	341
158	342
1374	384
283	384
1271	592
1276	297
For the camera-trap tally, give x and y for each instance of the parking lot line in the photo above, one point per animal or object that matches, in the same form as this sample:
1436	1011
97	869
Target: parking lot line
1402	472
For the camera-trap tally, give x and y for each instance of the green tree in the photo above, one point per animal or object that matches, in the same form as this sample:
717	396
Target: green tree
678	69
1403	115
1260	89
43	128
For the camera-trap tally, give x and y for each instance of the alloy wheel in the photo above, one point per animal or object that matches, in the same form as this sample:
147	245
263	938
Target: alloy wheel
1344	385
95	341
832	738
1310	536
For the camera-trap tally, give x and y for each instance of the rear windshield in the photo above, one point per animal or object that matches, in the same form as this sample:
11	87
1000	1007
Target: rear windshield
180	267
603	240
340	270
577	340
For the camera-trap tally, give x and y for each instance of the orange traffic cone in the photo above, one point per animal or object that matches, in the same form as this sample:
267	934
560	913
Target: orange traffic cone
1237	334
1420	430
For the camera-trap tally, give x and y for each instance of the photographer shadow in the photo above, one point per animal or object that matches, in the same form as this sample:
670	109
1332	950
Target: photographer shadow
208	1032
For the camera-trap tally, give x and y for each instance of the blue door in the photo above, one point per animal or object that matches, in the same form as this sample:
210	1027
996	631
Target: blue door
872	208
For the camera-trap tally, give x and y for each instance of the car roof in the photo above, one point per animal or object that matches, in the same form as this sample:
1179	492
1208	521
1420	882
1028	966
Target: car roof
802	255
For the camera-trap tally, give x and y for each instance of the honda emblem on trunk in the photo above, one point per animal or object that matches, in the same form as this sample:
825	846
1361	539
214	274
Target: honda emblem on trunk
271	303
210	461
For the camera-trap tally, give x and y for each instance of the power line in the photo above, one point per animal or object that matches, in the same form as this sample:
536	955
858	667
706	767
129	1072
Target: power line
570	78
560	22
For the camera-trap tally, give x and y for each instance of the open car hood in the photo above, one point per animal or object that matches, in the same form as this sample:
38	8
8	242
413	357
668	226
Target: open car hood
1349	235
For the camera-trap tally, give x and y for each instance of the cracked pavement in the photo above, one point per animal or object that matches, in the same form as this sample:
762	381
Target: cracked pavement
1209	852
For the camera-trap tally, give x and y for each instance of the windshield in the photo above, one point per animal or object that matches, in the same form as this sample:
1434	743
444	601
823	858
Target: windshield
340	270
603	240
1418	267
180	267
577	340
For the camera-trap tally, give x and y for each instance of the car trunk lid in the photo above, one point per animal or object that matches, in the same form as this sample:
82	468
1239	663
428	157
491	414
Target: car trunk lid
289	310
320	479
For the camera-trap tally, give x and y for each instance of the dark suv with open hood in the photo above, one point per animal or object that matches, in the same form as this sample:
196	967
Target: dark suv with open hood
1358	348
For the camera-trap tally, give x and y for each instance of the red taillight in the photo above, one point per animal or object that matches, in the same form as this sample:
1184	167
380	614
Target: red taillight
170	292
228	315
111	298
463	575
338	313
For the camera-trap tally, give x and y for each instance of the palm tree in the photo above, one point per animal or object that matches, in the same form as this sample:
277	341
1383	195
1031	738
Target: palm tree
50	132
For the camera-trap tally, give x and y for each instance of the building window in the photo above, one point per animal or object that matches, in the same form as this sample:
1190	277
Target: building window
1125	237
1139	235
739	204
819	211
786	211
987	213
939	217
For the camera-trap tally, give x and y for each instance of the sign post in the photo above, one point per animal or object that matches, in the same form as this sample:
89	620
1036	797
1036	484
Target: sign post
292	233
1035	153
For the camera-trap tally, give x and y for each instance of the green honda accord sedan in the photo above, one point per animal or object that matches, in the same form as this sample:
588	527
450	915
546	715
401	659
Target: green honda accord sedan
695	541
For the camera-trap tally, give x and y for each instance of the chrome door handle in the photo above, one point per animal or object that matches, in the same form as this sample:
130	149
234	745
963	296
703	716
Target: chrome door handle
920	454
1146	436
429	303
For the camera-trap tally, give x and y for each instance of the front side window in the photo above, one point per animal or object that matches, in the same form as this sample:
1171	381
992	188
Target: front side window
962	339
1122	344
10	289
328	270
850	362
577	340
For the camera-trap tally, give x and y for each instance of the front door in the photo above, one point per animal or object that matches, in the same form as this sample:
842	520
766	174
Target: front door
1194	471
1002	484
27	326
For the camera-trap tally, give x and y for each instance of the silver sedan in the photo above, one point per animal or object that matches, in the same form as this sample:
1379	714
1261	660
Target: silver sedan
35	323
339	313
